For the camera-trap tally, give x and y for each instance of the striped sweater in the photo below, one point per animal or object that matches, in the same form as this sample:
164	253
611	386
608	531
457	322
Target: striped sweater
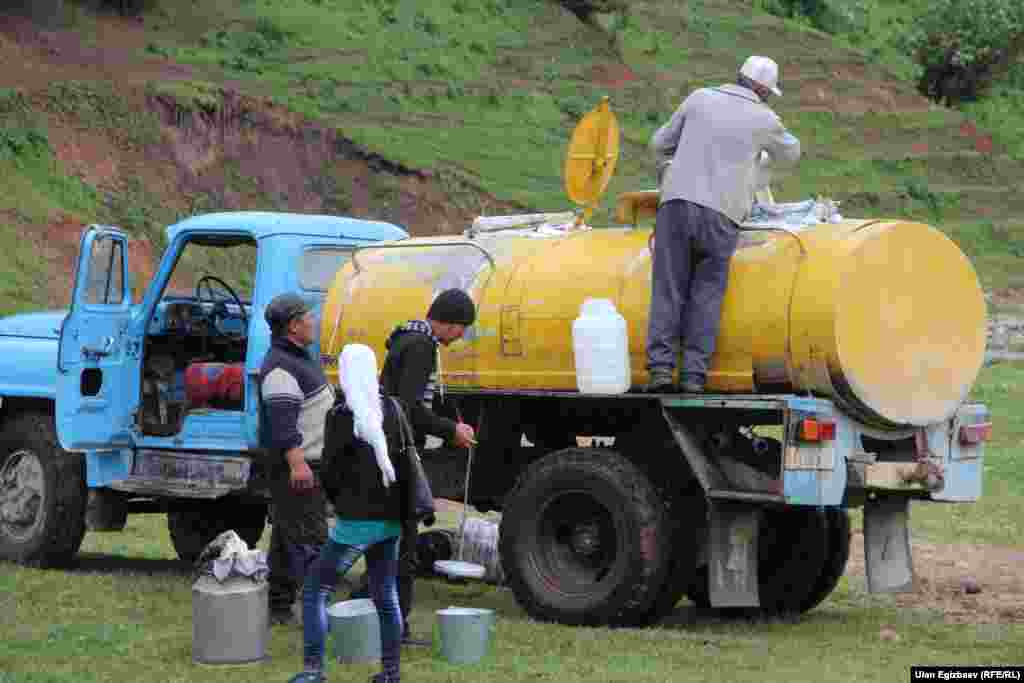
295	400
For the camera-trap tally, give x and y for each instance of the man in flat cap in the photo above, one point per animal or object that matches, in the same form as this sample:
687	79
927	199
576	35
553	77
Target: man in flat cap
713	154
295	400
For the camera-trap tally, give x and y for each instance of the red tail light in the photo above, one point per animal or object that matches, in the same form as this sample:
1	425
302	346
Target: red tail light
816	430
975	433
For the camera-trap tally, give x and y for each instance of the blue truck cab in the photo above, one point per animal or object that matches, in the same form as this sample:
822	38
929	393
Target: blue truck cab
151	403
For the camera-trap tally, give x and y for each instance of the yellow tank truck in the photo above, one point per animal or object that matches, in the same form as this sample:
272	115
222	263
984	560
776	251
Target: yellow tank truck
847	350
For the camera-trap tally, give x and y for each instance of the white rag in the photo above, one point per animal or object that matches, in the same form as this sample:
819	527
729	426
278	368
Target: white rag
357	374
228	555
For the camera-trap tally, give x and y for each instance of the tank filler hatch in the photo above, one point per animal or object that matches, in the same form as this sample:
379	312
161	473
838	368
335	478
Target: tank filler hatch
589	166
590	161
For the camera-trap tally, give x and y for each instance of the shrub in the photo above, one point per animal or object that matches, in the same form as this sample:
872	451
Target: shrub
962	46
585	9
23	143
830	16
12	101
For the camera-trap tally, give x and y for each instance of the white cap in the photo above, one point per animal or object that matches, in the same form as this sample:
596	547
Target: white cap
763	70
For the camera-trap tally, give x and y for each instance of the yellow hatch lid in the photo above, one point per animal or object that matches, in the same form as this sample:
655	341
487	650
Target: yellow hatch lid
590	160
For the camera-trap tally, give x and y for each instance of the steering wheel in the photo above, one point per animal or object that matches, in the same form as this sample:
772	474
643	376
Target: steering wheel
209	281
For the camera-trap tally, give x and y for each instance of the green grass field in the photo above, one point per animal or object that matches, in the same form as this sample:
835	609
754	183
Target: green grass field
124	614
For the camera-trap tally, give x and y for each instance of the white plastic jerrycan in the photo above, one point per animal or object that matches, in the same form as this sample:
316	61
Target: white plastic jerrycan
601	348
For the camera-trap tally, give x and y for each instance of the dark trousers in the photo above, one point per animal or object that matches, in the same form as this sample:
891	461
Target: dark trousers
298	533
692	248
407	566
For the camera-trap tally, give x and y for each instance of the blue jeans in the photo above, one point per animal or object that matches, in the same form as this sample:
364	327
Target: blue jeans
335	560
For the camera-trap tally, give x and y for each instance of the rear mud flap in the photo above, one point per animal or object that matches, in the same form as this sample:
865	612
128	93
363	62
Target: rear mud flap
887	558
732	554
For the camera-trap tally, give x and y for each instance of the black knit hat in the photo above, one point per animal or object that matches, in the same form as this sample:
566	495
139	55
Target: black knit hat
453	306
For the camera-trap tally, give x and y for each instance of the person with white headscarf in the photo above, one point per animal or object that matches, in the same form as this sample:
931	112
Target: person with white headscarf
370	498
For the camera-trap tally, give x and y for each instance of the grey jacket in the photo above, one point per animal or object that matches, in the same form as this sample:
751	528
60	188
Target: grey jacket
715	141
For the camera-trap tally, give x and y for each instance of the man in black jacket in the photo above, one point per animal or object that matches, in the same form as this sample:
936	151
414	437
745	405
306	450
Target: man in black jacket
410	373
295	401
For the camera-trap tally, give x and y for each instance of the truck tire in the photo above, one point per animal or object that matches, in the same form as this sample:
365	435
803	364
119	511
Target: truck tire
584	539
192	528
836	555
793	553
835	561
688	524
43	494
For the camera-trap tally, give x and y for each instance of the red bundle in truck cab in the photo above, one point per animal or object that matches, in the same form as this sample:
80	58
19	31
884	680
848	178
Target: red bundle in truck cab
214	385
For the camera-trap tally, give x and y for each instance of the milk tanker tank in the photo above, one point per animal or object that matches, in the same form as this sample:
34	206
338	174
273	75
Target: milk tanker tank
884	317
846	351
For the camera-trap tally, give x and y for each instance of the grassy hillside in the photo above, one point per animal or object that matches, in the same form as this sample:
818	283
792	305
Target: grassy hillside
475	101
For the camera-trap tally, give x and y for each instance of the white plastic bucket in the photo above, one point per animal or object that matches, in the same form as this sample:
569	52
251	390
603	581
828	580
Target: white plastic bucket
465	633
600	344
355	629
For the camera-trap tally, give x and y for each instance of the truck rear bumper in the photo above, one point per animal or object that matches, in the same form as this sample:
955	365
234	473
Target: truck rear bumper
941	462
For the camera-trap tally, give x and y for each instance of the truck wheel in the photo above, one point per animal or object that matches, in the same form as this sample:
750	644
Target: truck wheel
835	562
194	527
584	539
793	553
688	518
42	493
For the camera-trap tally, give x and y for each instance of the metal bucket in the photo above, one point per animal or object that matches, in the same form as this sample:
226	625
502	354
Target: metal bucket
230	620
465	633
355	628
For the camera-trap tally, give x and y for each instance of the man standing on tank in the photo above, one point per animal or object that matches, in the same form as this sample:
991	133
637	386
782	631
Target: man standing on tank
712	155
411	373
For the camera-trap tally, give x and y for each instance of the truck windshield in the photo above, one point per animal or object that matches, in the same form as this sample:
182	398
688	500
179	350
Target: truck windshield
235	265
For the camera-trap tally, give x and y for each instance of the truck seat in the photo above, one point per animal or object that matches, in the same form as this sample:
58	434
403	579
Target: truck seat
215	385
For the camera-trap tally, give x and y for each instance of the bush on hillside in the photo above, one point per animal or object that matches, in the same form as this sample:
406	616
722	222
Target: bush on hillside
54	13
585	9
963	46
830	16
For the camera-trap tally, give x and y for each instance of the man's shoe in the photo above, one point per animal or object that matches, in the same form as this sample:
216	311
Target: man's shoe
661	382
691	385
382	678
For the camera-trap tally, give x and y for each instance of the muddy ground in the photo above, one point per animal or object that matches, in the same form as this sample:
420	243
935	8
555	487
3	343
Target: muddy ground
940	572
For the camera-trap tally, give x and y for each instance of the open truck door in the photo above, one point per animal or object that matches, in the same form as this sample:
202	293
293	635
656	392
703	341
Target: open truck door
99	360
